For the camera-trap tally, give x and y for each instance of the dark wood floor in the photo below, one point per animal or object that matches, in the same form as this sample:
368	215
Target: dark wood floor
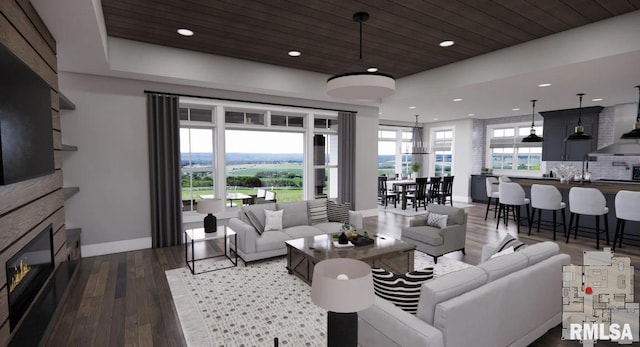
124	299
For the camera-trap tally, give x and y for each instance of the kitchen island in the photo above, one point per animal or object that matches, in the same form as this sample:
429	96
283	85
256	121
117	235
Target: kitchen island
608	187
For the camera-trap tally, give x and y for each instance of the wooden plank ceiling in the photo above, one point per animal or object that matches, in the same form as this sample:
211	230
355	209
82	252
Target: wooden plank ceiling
401	37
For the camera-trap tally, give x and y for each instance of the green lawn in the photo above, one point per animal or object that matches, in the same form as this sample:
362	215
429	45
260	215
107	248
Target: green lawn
253	169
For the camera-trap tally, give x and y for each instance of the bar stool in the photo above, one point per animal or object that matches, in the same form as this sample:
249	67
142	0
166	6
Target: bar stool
491	184
511	194
547	197
627	203
590	202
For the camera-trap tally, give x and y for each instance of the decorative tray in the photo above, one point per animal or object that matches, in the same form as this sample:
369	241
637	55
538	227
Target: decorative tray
361	240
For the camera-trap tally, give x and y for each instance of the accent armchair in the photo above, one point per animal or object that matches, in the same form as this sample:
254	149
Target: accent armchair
435	241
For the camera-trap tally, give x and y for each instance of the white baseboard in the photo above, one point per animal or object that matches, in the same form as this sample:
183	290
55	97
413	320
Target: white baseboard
369	213
115	247
460	198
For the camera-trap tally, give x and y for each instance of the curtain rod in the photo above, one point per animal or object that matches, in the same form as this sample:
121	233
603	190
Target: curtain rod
250	102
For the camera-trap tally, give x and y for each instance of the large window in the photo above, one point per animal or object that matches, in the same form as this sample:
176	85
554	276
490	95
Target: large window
393	145
442	145
197	159
237	147
269	159
508	152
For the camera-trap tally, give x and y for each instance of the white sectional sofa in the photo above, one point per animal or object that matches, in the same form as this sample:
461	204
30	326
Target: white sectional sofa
506	301
296	224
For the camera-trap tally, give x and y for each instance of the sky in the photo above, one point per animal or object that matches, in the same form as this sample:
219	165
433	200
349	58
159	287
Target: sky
243	141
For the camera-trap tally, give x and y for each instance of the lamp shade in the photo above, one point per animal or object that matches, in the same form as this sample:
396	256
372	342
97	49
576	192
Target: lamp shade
210	206
361	85
352	294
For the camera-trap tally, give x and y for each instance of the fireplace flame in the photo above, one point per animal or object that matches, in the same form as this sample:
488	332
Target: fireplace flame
20	272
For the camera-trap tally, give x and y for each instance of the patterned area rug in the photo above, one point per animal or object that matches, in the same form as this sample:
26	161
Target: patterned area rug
250	306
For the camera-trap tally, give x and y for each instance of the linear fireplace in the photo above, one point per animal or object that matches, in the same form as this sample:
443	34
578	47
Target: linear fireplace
27	271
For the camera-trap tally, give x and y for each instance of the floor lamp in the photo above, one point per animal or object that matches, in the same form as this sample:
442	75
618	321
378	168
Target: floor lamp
343	287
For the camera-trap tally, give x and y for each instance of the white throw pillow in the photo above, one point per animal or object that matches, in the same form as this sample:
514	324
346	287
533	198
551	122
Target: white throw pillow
273	220
437	220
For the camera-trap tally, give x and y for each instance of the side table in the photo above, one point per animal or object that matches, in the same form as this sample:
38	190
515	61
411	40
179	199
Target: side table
196	235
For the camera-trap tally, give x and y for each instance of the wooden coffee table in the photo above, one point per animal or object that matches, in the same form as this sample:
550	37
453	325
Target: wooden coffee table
385	252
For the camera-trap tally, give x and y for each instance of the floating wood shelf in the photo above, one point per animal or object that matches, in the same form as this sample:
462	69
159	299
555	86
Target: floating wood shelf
66	104
69	148
70	191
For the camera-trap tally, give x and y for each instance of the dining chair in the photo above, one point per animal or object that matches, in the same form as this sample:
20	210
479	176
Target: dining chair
270	196
447	191
434	188
384	194
421	194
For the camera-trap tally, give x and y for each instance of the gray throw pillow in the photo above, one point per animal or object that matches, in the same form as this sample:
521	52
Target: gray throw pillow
254	221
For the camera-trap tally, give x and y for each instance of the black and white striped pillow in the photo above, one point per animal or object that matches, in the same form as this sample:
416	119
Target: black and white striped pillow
318	211
338	212
402	290
509	241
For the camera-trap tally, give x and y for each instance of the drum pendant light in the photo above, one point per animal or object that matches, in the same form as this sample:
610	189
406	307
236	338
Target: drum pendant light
361	85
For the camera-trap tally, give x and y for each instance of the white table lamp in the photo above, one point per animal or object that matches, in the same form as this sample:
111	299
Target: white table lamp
210	206
343	287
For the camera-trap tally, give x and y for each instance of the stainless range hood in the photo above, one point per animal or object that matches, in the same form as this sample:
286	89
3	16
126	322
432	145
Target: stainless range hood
623	120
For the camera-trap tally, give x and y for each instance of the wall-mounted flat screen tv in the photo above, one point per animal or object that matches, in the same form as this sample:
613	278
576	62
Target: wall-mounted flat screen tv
26	131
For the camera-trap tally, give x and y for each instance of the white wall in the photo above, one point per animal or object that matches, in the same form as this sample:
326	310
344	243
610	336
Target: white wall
111	166
462	156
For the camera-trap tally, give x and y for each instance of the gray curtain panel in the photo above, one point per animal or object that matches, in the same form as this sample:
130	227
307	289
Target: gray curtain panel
346	157
164	166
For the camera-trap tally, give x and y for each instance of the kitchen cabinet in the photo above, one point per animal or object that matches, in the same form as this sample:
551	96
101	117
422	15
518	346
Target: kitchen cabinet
478	188
561	123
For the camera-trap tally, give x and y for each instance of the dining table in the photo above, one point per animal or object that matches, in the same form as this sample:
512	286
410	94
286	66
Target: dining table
232	196
403	186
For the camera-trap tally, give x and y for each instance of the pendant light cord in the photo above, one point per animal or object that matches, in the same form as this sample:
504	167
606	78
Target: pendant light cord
533	112
638	116
580	109
361	42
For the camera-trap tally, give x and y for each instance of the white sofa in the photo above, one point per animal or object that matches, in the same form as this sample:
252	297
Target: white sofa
506	301
296	224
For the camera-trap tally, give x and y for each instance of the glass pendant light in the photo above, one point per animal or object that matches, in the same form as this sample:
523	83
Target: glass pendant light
532	136
578	134
635	133
417	145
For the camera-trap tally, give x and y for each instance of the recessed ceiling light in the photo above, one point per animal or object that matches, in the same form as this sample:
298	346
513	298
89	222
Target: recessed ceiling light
471	114
185	32
515	109
457	99
597	99
412	107
379	112
447	43
436	119
294	53
372	69
542	85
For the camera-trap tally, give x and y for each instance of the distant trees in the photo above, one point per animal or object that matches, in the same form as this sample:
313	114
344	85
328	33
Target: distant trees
244	181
